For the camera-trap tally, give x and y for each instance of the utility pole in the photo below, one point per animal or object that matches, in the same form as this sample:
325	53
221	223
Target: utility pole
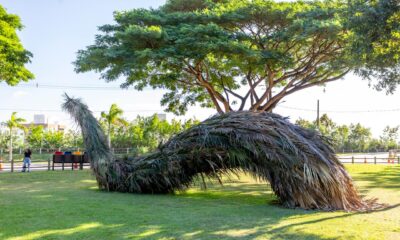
318	114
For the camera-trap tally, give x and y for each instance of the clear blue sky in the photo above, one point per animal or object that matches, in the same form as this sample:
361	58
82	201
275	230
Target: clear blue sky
56	29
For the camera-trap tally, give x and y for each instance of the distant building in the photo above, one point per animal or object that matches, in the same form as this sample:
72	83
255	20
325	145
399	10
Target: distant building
39	119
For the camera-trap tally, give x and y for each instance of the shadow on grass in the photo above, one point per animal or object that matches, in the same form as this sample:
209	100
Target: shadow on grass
68	206
388	178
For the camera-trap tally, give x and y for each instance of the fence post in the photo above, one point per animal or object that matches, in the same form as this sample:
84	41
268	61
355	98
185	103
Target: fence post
127	150
398	160
365	159
40	150
12	165
48	164
374	159
352	159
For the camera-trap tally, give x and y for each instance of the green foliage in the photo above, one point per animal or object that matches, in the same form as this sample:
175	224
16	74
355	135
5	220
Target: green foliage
113	116
354	137
73	139
111	119
205	52
53	139
12	124
341	136
186	5
35	136
221	53
375	40
147	133
359	137
39	138
390	137
5	141
306	124
13	56
15	122
143	134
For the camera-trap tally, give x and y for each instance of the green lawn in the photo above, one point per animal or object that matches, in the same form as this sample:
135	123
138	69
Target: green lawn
67	205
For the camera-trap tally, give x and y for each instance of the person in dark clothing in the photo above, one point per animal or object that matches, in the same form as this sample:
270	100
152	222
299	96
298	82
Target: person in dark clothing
27	160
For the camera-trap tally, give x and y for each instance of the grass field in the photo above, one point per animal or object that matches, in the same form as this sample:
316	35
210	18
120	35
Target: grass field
67	205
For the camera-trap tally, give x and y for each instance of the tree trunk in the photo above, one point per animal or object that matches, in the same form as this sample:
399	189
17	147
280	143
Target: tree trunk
10	147
109	136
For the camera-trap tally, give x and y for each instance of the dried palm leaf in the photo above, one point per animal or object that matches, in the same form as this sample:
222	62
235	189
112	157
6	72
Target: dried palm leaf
300	164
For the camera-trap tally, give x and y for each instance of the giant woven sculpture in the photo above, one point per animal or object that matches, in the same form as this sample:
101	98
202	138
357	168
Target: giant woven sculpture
299	164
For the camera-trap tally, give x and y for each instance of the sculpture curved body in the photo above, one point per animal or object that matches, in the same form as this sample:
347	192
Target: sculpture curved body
300	164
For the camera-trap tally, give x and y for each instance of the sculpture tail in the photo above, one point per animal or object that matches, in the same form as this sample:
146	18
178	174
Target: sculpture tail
94	140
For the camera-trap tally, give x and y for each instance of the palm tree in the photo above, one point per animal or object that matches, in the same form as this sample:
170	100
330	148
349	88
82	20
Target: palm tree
113	117
14	123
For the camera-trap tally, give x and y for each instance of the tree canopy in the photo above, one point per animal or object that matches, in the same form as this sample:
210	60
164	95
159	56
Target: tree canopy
375	41
13	56
233	55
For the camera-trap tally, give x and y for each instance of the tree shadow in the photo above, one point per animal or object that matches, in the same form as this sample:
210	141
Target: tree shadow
389	178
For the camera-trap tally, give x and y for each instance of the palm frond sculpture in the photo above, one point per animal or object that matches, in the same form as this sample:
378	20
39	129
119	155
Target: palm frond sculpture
300	164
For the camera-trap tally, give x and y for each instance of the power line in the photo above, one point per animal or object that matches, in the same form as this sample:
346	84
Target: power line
97	87
58	110
110	88
161	110
342	111
63	87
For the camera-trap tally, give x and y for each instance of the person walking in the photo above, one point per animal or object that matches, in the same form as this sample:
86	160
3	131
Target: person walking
27	160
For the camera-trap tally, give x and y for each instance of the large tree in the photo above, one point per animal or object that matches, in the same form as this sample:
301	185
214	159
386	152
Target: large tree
35	136
231	55
13	56
390	137
13	123
375	41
